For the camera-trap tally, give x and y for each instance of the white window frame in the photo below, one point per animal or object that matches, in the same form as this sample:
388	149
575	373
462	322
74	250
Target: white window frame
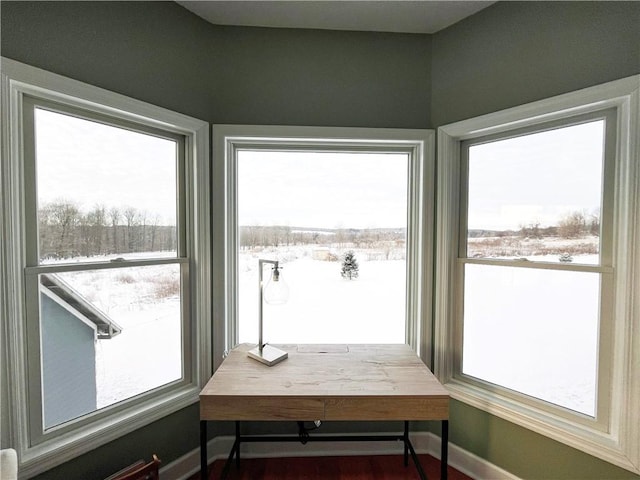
617	440
39	451
418	144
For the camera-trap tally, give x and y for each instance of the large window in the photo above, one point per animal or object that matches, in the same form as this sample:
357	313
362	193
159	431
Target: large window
337	222
103	193
538	261
103	264
344	212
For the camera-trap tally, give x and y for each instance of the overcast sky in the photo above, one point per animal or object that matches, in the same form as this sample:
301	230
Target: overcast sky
322	190
90	163
536	178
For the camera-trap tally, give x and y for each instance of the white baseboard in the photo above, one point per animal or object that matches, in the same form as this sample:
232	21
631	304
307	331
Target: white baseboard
423	442
466	462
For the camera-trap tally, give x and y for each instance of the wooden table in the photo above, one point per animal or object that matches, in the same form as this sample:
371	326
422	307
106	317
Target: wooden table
325	382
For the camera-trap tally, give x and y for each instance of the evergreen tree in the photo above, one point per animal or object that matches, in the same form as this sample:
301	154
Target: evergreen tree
349	266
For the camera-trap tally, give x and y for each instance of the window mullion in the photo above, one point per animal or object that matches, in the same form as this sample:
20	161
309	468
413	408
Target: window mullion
539	265
29	185
82	266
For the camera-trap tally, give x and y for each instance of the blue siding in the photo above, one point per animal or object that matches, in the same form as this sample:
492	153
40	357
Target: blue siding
68	364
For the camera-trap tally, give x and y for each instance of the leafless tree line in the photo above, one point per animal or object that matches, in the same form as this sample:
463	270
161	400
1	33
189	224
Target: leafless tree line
277	236
577	229
65	231
573	225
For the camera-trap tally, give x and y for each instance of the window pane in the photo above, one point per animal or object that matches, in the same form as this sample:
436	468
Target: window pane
107	335
309	210
103	190
538	196
534	331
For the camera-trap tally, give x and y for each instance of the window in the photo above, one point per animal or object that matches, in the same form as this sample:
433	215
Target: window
535	265
309	210
312	198
539	201
103	193
101	190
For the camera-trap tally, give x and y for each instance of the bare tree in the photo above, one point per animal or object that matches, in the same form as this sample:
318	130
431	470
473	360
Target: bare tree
594	224
114	216
97	221
154	230
531	230
131	218
64	216
573	225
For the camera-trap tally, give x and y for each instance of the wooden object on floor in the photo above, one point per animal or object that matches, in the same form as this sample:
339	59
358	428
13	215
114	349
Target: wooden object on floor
374	467
139	471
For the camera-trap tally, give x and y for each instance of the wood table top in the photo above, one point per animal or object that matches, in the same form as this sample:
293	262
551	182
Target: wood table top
326	382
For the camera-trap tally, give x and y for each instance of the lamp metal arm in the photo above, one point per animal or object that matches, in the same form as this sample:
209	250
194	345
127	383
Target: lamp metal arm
261	264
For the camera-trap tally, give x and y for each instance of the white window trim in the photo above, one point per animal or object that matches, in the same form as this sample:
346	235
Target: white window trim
620	443
227	139
19	80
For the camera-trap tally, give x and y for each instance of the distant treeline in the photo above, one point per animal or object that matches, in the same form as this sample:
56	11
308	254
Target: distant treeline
572	225
275	236
65	231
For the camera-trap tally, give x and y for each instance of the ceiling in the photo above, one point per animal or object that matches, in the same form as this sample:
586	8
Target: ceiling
401	16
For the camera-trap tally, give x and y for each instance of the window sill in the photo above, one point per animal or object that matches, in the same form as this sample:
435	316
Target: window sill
53	452
589	439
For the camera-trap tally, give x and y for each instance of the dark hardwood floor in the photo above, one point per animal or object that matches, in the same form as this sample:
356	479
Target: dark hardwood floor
378	467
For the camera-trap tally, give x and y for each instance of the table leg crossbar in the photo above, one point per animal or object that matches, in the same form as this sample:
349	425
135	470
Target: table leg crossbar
408	447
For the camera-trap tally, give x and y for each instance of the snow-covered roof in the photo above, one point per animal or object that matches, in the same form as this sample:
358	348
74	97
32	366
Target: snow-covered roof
105	327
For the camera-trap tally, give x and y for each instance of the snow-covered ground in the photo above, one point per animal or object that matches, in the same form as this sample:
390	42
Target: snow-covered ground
144	301
545	347
322	306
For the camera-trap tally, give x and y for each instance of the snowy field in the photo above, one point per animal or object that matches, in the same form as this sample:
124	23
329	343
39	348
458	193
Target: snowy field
550	353
545	347
325	308
145	303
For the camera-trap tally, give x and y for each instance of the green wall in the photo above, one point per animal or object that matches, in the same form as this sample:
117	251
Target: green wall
163	54
518	52
160	53
506	55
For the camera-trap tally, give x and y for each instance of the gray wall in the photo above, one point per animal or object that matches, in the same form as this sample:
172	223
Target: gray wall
506	55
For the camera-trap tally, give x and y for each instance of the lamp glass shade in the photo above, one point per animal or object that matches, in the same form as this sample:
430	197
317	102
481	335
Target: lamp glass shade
276	291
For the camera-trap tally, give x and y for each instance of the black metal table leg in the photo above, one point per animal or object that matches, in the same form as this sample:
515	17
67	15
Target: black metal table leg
444	450
203	450
238	443
235	452
408	447
406	444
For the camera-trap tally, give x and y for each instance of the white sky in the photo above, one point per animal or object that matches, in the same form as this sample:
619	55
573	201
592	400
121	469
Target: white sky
91	163
536	178
322	189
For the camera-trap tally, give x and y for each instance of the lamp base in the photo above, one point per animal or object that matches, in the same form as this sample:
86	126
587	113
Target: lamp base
269	355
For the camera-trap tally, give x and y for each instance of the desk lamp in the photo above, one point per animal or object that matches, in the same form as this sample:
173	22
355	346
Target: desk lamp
275	292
